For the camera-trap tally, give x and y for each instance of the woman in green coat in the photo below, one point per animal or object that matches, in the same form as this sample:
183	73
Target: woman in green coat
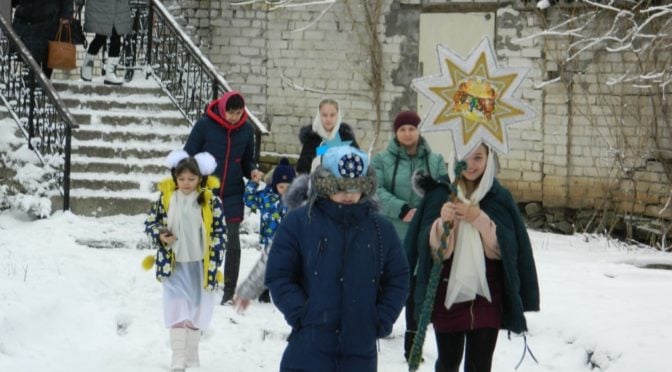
406	153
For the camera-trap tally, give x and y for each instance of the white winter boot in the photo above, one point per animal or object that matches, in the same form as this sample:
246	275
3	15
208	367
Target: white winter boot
87	67
111	72
193	338
178	343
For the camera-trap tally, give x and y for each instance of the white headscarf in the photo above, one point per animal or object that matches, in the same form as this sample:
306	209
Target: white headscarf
319	128
467	273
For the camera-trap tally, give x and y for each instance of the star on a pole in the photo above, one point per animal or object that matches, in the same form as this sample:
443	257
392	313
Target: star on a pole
473	98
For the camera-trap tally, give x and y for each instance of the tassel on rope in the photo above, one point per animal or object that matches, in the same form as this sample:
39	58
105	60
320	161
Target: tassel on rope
415	356
526	350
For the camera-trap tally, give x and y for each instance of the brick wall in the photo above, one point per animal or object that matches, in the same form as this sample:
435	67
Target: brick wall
572	155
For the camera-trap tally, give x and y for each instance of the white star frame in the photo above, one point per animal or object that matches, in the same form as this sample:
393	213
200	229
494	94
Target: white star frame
474	99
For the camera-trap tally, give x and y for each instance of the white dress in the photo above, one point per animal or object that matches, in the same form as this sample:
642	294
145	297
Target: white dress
185	301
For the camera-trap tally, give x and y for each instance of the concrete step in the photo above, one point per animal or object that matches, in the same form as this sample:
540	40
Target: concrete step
172	118
89	88
130	103
117	165
123	150
106	204
136	134
110	181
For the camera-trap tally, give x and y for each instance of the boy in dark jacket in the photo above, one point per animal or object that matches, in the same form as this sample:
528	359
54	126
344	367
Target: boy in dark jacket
226	134
336	270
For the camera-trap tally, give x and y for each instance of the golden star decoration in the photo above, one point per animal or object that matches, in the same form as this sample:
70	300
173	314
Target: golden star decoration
473	99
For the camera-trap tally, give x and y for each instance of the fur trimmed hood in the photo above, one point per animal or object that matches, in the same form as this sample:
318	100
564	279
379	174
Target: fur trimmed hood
297	192
423	183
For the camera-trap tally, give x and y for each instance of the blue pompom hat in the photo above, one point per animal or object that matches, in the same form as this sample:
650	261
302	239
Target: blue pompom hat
345	162
343	168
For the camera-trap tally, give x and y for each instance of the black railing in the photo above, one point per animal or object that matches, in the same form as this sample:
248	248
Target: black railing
183	72
35	106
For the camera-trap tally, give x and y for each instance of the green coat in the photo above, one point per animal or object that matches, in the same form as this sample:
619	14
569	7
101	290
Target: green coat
520	275
394	172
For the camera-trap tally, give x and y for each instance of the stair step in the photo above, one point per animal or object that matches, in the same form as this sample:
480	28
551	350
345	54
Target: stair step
122	150
112	104
109	181
89	88
118	165
87	117
109	203
113	134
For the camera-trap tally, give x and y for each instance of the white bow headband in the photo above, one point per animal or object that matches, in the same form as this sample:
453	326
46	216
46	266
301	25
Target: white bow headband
206	162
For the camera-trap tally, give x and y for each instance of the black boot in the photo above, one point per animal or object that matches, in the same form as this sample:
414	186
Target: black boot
231	262
265	297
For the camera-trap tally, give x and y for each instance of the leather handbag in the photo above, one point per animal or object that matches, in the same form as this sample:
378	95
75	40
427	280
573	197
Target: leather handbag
62	54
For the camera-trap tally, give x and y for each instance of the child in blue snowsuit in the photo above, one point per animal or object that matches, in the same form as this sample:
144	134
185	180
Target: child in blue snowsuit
268	201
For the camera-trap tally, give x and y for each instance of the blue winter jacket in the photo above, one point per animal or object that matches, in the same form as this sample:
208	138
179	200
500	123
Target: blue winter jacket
269	204
232	145
340	277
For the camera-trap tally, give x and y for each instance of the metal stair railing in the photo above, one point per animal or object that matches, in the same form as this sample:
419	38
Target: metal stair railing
172	59
37	109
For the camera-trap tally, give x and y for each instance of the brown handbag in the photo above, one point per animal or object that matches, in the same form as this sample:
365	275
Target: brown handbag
62	54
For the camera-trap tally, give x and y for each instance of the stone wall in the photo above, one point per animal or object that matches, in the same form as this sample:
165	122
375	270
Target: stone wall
573	155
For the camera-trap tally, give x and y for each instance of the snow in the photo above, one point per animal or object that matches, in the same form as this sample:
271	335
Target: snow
67	306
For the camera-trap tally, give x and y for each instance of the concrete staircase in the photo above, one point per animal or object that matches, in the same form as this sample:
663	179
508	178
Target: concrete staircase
119	149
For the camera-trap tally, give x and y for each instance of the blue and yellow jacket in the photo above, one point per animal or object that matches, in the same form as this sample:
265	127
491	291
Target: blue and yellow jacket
269	205
213	220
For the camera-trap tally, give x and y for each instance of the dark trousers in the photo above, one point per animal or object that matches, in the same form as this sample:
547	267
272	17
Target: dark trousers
231	260
480	346
99	41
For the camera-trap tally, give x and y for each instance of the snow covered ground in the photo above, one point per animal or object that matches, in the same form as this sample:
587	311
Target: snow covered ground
74	298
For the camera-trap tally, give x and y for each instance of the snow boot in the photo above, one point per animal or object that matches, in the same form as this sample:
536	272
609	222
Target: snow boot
87	67
111	77
193	338
178	343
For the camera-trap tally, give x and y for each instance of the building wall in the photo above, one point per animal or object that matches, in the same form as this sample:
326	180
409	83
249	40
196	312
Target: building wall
572	155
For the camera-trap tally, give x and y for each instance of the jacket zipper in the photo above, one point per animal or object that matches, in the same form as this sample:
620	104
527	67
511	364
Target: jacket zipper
225	173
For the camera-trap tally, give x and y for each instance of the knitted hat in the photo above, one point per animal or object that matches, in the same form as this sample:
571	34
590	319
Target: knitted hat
406	118
283	173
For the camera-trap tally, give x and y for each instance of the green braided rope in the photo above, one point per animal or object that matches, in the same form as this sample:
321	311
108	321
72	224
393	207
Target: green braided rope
415	356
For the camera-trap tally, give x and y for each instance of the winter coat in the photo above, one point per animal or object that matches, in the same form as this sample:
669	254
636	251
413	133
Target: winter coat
269	205
36	22
101	16
521	289
310	141
338	274
394	170
272	211
232	145
212	220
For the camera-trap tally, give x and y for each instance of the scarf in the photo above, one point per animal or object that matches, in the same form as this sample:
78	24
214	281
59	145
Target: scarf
185	221
467	273
319	128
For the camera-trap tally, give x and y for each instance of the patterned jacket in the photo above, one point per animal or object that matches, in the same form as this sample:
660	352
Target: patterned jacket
269	205
213	220
272	211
